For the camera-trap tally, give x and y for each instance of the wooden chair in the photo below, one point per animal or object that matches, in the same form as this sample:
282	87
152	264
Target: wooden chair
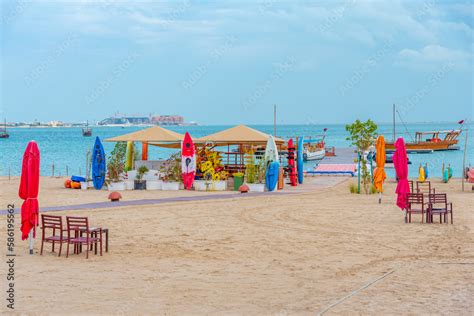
438	204
416	205
410	182
79	226
56	224
424	187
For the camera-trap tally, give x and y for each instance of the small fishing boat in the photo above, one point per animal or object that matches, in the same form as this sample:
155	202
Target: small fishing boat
428	142
87	131
313	148
4	133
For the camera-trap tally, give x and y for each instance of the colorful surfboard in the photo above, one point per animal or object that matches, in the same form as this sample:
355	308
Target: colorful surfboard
272	164
300	160
129	160
98	164
291	163
271	151
188	161
271	175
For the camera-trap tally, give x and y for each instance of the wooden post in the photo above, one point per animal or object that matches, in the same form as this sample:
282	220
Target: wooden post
358	173
67	171
144	151
274	120
394	130
464	175
52	170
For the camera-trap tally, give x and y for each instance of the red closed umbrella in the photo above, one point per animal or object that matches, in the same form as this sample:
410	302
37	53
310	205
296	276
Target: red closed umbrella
400	161
29	187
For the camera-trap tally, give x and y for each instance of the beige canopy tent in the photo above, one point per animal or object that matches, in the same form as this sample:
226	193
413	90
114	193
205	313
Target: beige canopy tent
156	136
243	137
238	135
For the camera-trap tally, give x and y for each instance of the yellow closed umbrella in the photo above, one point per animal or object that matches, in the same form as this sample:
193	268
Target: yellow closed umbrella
421	172
379	173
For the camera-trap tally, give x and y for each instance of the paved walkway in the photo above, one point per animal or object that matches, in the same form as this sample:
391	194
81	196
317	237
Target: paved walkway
310	184
102	205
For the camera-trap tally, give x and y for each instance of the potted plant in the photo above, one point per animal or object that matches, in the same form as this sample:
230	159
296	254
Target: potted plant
171	169
116	166
254	173
139	183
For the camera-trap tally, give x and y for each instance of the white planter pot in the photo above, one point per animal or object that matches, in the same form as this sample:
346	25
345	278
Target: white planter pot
154	184
132	174
256	187
116	186
84	186
129	184
203	185
151	175
170	186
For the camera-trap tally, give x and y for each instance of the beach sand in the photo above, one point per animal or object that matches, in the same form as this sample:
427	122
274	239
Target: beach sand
274	254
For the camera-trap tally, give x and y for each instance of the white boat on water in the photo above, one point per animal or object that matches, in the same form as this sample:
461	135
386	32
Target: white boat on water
310	154
314	147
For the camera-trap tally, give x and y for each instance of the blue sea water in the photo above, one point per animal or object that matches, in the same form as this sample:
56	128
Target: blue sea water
67	148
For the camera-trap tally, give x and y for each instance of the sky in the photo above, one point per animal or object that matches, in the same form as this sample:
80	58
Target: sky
229	62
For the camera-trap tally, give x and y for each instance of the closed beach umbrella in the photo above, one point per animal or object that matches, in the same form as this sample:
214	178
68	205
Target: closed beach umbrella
28	191
421	174
379	173
400	161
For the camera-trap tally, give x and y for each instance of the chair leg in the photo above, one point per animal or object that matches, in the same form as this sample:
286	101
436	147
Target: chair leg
42	243
67	250
101	243
87	252
60	248
53	246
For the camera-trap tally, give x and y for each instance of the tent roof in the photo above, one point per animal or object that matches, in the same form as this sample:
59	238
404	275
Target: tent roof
152	134
239	134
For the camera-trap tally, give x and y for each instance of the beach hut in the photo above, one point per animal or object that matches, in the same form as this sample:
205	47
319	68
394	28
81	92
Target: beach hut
238	135
241	138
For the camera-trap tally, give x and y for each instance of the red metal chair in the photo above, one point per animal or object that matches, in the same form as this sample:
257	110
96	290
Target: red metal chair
438	204
83	235
416	205
56	224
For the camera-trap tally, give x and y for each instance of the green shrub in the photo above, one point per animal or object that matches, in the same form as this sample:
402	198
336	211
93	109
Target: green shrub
353	188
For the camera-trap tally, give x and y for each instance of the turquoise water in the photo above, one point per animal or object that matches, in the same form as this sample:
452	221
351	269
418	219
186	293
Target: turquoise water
66	147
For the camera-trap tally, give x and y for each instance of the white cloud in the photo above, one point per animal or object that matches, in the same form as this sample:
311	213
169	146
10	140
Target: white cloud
434	55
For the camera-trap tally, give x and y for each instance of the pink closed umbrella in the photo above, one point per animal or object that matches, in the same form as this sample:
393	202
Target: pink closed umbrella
400	161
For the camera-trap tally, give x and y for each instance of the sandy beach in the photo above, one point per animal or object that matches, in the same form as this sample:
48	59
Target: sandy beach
295	254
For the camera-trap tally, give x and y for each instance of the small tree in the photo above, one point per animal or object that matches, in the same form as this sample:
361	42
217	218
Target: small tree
363	135
116	162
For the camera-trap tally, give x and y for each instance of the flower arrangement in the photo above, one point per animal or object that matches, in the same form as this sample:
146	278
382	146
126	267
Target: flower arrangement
209	163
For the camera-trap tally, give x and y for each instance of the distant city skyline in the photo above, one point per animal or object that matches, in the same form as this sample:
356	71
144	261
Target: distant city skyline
228	63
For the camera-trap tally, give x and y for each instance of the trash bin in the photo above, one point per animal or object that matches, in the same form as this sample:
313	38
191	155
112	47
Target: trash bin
238	180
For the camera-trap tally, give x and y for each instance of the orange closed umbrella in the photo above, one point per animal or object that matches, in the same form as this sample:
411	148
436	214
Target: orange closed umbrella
379	173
